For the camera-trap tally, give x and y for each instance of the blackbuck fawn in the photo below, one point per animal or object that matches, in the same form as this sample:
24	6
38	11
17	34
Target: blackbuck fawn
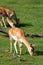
7	13
18	35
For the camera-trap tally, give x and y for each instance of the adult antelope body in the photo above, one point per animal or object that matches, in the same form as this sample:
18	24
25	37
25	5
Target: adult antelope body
18	35
8	13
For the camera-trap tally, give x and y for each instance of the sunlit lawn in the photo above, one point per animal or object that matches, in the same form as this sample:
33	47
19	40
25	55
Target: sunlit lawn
30	13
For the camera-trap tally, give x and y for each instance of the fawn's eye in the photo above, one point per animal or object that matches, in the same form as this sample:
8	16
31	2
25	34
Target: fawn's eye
32	49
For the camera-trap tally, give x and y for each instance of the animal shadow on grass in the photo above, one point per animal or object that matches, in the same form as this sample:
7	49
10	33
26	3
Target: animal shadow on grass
35	53
39	53
23	25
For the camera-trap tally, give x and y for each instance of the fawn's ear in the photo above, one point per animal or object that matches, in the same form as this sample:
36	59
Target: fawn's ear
32	45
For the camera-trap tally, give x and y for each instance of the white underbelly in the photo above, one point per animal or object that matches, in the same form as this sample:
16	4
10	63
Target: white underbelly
15	38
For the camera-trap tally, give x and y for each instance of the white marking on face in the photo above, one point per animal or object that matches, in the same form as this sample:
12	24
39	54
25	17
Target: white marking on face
31	53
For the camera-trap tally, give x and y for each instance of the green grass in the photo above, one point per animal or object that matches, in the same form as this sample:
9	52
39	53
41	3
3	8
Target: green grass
30	13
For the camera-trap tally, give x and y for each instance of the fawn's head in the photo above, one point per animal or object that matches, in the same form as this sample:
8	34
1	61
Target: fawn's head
31	50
